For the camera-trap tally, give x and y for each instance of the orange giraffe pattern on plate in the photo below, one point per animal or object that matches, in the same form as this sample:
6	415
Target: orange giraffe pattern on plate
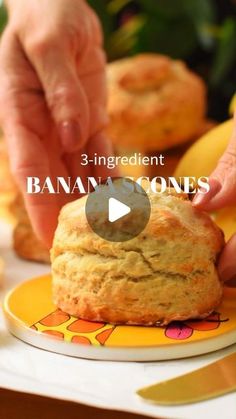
62	326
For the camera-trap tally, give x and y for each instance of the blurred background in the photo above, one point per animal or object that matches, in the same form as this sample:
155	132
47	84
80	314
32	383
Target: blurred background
201	32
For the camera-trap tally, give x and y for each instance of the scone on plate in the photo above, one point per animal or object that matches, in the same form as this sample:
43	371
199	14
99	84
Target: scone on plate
168	272
154	103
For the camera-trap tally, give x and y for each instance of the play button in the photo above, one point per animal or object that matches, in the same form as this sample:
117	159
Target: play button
118	210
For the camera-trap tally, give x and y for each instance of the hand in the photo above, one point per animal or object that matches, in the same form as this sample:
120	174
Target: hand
52	97
223	193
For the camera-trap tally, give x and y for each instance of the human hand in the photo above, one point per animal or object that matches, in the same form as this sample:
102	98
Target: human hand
52	98
223	193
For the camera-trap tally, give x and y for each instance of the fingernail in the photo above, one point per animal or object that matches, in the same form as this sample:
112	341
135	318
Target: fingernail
70	135
203	198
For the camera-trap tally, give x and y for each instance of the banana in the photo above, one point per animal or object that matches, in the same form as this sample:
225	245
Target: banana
232	106
226	220
202	157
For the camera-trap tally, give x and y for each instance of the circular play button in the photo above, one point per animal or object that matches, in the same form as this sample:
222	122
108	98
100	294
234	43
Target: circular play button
118	210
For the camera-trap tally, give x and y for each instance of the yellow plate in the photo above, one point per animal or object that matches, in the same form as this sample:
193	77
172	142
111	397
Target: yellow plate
32	317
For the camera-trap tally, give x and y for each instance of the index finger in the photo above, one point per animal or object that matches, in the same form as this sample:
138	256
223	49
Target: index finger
28	158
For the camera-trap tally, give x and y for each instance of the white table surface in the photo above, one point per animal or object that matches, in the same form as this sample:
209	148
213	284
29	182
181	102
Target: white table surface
102	384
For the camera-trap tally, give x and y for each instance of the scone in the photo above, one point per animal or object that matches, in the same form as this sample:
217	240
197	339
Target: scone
166	273
154	103
25	243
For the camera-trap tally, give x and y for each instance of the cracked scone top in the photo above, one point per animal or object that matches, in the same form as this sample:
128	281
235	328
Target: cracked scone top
166	273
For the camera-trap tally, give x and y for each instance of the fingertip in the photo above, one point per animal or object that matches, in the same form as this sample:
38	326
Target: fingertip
200	200
45	237
44	221
45	233
203	200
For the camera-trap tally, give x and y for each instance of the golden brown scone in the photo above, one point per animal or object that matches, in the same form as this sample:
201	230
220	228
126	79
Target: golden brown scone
154	103
25	243
166	273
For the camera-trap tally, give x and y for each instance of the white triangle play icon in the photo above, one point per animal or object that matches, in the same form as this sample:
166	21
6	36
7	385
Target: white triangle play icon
117	210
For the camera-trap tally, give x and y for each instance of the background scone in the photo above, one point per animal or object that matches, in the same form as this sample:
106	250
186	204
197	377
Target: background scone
166	273
25	243
154	103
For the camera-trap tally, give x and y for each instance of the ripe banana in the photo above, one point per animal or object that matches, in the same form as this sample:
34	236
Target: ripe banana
232	106
226	220
202	157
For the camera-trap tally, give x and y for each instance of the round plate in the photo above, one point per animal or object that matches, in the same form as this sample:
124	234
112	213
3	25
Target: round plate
32	317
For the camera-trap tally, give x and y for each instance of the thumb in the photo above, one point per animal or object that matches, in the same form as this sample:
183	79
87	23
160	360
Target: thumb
64	94
222	181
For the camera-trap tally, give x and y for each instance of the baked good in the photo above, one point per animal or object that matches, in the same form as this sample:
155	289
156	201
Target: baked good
154	103
166	273
25	243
